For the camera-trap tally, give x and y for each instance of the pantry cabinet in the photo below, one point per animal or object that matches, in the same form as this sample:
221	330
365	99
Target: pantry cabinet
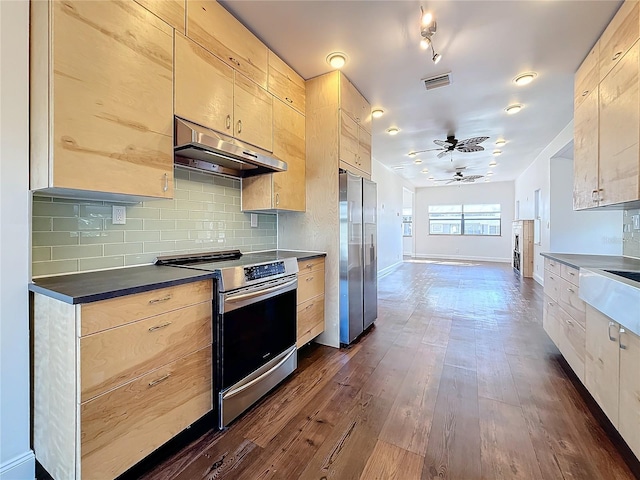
101	100
112	374
282	190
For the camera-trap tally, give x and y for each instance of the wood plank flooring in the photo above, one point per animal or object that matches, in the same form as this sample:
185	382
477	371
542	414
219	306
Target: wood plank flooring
457	380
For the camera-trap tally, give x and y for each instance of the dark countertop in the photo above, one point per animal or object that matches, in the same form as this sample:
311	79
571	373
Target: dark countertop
95	286
610	262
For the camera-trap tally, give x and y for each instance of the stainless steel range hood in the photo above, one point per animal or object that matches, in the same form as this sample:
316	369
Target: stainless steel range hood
199	148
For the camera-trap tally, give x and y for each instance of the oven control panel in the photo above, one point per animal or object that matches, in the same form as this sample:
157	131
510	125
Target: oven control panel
256	272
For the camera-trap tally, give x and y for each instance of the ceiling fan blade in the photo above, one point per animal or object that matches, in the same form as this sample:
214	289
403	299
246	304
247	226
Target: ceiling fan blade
473	178
443	143
472	140
451	181
470	148
443	153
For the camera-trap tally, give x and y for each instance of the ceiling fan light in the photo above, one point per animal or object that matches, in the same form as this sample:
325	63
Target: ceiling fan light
393	130
337	59
398	167
497	153
525	78
417	161
425	170
427	17
489	174
493	163
513	109
500	143
377	113
436	58
412	154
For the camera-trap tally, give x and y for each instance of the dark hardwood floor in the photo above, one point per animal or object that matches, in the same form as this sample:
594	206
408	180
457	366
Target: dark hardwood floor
457	380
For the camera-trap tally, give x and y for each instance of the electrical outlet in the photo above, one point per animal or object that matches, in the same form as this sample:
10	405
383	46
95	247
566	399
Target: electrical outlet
254	220
636	222
119	215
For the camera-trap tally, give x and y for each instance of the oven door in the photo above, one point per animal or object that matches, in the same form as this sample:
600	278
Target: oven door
257	351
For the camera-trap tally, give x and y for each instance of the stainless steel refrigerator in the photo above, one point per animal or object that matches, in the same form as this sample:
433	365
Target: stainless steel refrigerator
358	256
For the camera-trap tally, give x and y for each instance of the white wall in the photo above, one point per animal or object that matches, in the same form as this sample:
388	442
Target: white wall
494	249
589	232
16	459
390	190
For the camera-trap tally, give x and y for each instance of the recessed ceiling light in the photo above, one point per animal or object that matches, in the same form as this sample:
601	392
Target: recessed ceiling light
377	113
398	167
417	161
515	108
489	174
337	59
393	130
500	142
493	163
425	170
525	78
497	153
412	154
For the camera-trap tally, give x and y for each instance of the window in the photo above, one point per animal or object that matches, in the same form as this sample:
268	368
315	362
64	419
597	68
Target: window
480	219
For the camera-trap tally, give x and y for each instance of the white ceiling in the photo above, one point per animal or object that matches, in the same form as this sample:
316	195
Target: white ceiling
484	45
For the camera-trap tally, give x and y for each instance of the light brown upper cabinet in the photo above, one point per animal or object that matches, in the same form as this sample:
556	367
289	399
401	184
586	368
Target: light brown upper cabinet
354	104
607	117
210	93
283	190
213	27
285	83
101	100
171	11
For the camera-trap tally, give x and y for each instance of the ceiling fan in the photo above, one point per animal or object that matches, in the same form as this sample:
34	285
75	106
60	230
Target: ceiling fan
459	177
452	143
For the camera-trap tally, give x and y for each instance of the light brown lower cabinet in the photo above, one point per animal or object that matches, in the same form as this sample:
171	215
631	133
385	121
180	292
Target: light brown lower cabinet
116	379
629	411
310	299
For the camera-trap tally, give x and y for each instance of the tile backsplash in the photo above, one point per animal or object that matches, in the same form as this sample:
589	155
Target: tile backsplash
78	235
631	233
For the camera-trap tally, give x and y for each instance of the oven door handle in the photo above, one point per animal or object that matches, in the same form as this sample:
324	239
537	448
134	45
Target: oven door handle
247	296
235	392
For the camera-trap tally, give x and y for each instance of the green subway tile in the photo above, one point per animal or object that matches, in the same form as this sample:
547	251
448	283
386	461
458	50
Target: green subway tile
166	214
232	192
204	235
42	209
174	235
232	208
226	182
76	251
48	239
143	212
242	217
142	259
101	237
100	263
181	194
181	174
40	254
41	198
201	178
132	224
39	269
215	207
159	247
77	201
201	196
168	203
213	188
77	224
198	215
188	225
95	211
159	225
122	249
189	205
223	199
41	224
188	245
141	236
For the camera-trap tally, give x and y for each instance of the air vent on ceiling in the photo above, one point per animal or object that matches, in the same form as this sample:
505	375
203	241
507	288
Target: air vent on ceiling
437	81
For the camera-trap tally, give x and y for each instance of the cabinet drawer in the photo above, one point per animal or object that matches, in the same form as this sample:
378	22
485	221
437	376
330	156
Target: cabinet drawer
552	285
285	83
552	265
310	285
570	274
123	426
310	320
120	354
570	302
550	321
111	313
620	34
587	76
310	265
572	344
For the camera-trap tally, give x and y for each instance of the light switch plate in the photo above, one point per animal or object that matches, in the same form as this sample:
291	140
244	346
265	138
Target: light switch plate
119	215
636	222
254	220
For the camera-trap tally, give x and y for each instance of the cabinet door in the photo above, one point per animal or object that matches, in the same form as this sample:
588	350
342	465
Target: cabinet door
587	76
618	37
364	150
252	113
349	139
550	321
573	343
353	103
285	83
171	11
619	169
602	362
203	86
112	99
585	153
629	425
213	27
289	145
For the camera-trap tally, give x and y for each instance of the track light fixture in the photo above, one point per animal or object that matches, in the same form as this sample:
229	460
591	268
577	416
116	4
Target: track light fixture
428	29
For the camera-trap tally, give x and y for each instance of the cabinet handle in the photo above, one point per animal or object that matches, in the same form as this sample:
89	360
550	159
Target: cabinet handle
234	61
309	279
616	56
158	327
600	197
550	304
611	324
308	307
160	300
166	182
288	99
585	93
228	124
621	331
569	322
159	380
239	126
308	265
570	290
277	199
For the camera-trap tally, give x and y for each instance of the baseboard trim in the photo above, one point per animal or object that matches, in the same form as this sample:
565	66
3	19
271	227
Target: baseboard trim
20	467
538	279
463	258
388	270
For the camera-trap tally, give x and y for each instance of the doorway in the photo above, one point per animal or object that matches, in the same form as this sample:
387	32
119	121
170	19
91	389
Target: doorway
407	223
